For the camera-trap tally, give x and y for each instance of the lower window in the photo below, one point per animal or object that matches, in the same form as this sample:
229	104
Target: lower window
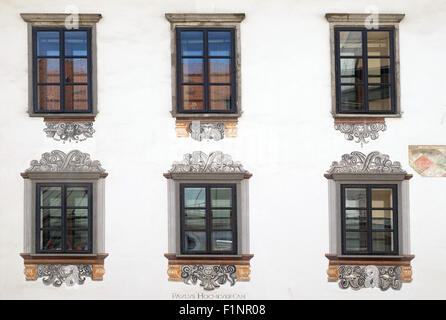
208	219
369	219
64	218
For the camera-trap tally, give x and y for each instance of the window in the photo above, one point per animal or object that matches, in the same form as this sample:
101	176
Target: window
365	72
62	70
64	218
206	76
208	214
369	219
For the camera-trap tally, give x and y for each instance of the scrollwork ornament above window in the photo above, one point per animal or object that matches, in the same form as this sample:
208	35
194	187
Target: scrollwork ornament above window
58	161
200	162
373	163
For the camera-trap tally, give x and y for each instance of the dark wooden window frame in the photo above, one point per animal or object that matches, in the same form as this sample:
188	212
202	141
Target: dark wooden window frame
364	58
62	83
208	209
205	57
63	227
368	208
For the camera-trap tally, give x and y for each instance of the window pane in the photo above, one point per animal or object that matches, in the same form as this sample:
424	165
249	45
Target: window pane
193	97
195	241
350	43
220	97
194	197
76	70
382	198
355	198
221	197
50	218
47	43
220	70
356	241
221	241
219	43
382	219
48	98
221	213
352	67
356	220
48	70
382	241
352	98
194	219
379	70
50	240
221	224
50	196
379	98
378	43
77	197
76	97
192	70
77	240
192	43
77	218
75	43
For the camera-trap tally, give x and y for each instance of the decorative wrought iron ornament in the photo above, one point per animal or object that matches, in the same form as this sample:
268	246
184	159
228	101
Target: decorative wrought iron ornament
200	162
358	277
210	276
374	163
58	274
68	130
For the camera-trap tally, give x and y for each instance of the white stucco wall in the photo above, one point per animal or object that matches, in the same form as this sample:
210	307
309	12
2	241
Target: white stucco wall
285	138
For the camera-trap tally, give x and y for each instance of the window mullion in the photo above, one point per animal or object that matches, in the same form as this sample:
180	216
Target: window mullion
365	71
62	70
208	219
205	69
369	220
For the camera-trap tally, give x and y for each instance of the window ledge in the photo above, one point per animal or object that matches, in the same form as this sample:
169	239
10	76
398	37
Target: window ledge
84	19
365	115
52	258
205	17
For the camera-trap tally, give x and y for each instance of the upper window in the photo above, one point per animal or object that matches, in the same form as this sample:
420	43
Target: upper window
369	219
208	219
64	218
365	72
62	70
206	73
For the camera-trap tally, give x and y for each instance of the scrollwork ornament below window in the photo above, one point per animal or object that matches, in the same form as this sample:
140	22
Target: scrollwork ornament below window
69	130
360	131
209	276
58	274
358	277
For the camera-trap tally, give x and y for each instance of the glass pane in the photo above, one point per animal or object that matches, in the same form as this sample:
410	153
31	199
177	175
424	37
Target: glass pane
50	240
193	97
192	70
352	98
352	68
350	43
192	43
221	197
382	241
48	70
77	218
76	70
76	97
194	197
356	220
77	197
50	218
194	219
355	198
221	224
195	241
379	98
75	43
221	241
77	240
378	43
221	213
379	70
382	198
48	98
356	241
220	70
382	219
47	43
50	196
220	97
219	43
